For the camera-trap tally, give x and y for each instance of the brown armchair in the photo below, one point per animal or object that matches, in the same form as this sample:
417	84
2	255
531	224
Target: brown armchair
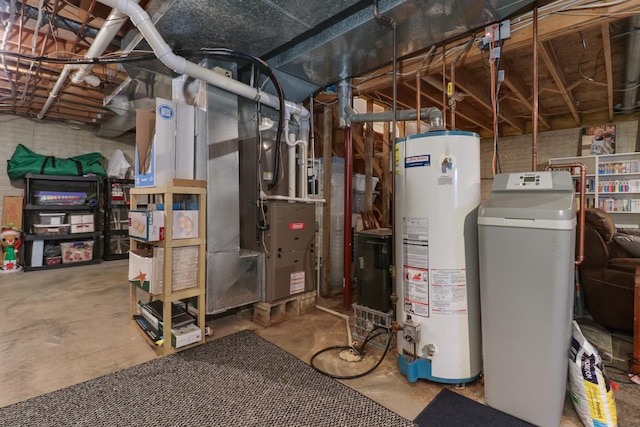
610	276
607	273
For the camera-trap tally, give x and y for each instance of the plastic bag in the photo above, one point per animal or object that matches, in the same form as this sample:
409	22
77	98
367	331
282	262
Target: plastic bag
118	165
589	385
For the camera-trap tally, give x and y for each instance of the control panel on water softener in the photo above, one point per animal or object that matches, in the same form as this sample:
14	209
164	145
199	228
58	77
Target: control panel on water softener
530	181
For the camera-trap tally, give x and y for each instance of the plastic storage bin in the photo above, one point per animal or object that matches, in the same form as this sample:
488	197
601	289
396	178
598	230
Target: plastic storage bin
76	251
52	218
50	230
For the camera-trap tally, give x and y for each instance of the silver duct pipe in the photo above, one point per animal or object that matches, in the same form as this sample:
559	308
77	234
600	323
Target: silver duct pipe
140	18
433	114
344	101
105	36
632	71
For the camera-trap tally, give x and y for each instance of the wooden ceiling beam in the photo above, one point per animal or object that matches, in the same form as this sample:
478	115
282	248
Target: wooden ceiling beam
549	58
550	27
470	115
468	84
606	41
521	90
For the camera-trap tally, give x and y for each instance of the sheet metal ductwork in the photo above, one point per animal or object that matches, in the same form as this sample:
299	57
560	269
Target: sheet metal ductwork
632	69
310	47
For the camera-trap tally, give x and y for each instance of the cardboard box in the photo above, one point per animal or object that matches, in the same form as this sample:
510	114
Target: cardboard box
146	225
185	224
12	211
185	336
179	337
146	270
165	144
82	223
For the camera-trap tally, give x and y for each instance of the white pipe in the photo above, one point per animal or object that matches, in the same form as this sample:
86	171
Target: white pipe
302	170
346	319
292	169
304	146
105	36
180	65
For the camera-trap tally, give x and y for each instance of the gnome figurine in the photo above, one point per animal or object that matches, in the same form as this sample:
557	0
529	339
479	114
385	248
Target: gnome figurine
10	239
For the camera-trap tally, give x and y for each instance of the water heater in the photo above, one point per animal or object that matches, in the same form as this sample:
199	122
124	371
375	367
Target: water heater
436	199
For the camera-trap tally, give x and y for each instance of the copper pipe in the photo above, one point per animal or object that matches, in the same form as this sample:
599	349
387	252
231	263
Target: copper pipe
534	147
583	176
444	86
453	81
348	241
418	79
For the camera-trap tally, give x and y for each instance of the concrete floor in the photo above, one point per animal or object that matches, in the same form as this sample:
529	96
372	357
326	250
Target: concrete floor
61	327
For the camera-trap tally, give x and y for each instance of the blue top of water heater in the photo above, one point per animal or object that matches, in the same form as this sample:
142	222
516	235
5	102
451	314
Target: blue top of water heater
439	133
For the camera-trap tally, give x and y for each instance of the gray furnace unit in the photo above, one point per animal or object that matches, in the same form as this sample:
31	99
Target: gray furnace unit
289	240
526	232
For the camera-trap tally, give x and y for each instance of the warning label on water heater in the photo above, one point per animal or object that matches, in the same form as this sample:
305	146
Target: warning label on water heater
449	291
416	291
415	229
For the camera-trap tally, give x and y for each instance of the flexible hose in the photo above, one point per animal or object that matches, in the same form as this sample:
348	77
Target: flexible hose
359	351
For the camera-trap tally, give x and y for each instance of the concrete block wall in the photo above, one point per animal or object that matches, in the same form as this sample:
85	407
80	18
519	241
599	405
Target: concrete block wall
515	152
51	139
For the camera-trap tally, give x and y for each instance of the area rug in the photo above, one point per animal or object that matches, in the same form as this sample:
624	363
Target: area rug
237	380
450	409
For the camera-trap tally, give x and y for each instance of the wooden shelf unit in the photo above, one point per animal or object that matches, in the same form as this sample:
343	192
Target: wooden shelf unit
613	184
168	296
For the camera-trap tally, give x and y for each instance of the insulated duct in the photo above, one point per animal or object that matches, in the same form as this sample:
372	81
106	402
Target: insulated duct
632	71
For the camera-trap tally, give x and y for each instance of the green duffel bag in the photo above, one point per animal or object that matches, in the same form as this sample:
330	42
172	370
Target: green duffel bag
24	161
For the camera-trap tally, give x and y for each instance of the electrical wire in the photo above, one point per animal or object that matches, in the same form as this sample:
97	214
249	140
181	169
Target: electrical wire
359	351
222	52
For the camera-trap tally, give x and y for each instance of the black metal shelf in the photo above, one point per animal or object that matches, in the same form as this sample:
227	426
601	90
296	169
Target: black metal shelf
62	265
116	233
74	208
33	176
76	236
90	185
112	211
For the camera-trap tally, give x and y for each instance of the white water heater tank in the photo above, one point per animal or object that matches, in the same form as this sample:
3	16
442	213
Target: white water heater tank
437	194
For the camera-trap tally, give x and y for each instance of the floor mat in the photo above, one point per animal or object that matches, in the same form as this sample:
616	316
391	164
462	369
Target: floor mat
450	409
237	380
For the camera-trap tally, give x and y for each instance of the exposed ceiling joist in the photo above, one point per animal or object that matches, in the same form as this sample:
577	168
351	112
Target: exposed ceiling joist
551	62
